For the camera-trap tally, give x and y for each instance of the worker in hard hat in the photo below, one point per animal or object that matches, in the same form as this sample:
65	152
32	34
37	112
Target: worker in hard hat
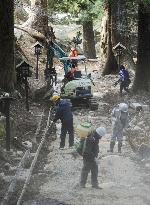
73	52
70	75
90	153
63	112
120	121
124	80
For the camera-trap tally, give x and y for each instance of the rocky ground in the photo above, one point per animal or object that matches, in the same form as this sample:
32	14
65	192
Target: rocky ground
124	178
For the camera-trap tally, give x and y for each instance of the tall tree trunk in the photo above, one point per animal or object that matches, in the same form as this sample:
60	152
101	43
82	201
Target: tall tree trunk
7	71
38	18
142	77
119	33
111	63
119	22
104	35
88	39
120	30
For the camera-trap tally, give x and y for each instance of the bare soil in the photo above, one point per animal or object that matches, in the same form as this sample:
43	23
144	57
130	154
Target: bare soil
124	178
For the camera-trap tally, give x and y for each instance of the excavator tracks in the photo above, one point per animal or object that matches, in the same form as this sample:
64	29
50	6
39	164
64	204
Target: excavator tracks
93	105
90	103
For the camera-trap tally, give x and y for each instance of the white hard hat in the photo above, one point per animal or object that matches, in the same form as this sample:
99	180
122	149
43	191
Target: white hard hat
123	107
72	49
101	131
6	94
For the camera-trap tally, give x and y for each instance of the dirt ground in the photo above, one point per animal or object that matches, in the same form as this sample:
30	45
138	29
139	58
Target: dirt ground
124	178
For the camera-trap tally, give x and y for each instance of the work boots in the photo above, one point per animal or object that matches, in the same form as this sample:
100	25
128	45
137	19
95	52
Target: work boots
119	146
112	144
96	187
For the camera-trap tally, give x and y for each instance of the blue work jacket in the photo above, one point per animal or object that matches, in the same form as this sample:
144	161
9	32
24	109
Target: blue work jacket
63	111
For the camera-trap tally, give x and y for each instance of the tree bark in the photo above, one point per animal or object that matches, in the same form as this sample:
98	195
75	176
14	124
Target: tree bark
119	33
88	39
120	30
104	35
7	71
119	22
142	76
38	18
111	63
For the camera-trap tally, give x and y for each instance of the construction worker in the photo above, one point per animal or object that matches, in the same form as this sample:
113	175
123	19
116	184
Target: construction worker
90	153
73	52
63	112
124	80
70	75
74	68
120	122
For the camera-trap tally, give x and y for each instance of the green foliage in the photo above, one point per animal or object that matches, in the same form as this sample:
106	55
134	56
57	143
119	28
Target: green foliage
146	1
83	9
98	9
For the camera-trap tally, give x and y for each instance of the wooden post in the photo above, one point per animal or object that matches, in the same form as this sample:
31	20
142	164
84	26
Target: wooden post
26	91
7	101
7	104
37	72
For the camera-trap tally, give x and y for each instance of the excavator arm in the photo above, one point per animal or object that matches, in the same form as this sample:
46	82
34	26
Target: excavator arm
61	53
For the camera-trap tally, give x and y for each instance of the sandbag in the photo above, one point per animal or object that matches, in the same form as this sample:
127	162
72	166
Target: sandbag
84	129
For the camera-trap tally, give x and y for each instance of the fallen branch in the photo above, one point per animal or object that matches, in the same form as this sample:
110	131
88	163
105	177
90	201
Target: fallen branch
33	33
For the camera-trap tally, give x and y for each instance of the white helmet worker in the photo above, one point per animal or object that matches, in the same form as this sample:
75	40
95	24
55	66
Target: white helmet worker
123	107
73	49
101	131
6	94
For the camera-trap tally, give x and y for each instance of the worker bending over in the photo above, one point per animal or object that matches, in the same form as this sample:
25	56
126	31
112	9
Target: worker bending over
120	122
90	153
64	113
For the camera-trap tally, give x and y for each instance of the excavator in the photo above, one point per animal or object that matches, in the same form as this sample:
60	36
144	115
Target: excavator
78	90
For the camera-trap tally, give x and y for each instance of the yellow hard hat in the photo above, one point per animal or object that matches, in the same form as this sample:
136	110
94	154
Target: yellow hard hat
54	98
